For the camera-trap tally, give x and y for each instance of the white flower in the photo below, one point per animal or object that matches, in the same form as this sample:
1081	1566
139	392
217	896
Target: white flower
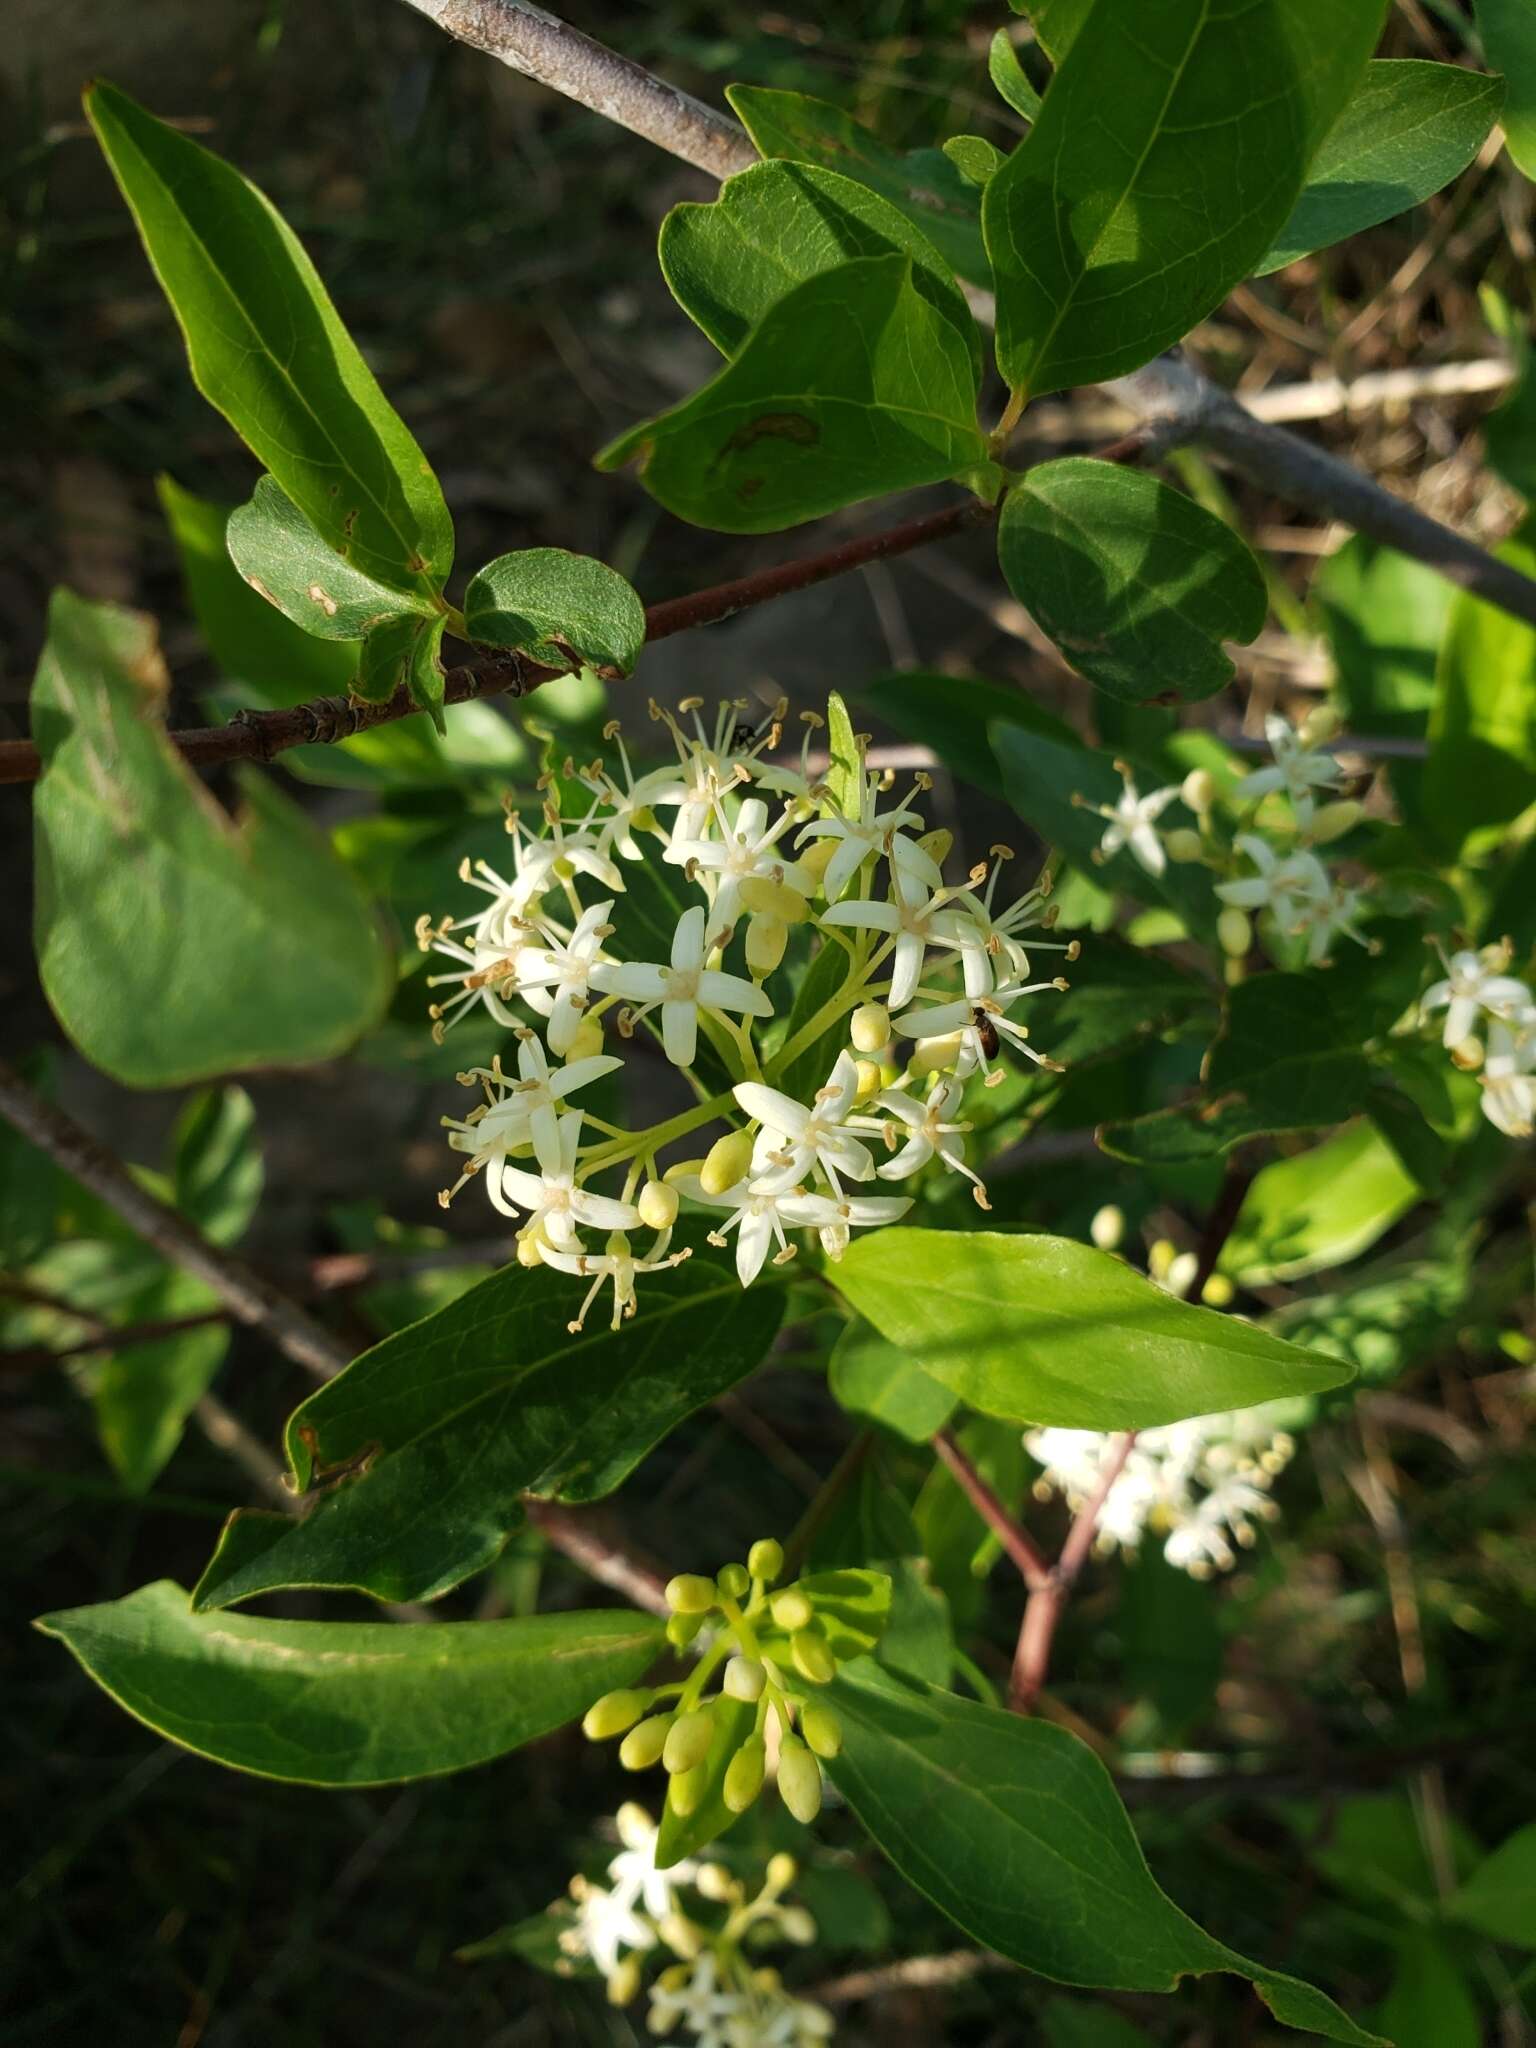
1334	913
1508	1075
814	1136
553	978
1474	983
616	1266
682	989
1133	823
1000	934
873	831
630	807
1299	769
980	1022
746	848
859	1212
550	862
712	762
759	1216
915	918
606	1924
930	1133
698	2003
517	1114
608	1920
488	973
1291	888
556	1206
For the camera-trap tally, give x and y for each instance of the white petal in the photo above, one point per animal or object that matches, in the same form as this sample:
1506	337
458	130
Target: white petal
906	970
688	939
637	981
753	1240
578	1073
876	917
680	1032
729	992
779	1111
935	1022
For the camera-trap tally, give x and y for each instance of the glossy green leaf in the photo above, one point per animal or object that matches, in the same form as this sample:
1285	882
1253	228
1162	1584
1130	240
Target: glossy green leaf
920	183
1482	732
778	224
1046	1330
563	610
1055	22
1137	585
1013	1828
1007	74
1110	238
1119	993
974	157
349	1703
1499	1898
1288	1059
1407	129
1318	1208
851	386
870	1377
1508	30
845	771
174	944
434	1435
676	1837
952	713
268	349
287	561
1430	2004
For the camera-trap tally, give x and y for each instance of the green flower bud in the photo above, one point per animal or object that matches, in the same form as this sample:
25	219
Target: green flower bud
682	1628
796	1925
726	1162
685	1794
1217	1291
680	1935
624	1983
683	1169
817	857
734	1581
1183	844
871	1080
933	1055
774	899
1107	1227
767	938
657	1205
938	844
870	1027
821	1728
690	1593
715	1882
765	1560
782	1871
799	1780
1199	789
643	1745
1320	724
1334	820
1234	931
613	1714
744	1679
790	1609
588	1040
813	1659
744	1775
688	1740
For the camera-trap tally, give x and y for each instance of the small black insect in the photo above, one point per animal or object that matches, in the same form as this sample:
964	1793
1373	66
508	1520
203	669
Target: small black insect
986	1031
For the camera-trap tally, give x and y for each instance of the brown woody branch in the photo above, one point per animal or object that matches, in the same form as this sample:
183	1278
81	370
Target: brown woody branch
262	735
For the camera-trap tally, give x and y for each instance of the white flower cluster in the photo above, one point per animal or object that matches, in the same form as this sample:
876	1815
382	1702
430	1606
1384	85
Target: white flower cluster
1272	865
711	1991
935	975
1200	1484
1490	1030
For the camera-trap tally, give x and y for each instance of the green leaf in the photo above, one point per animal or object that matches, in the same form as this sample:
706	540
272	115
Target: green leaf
1056	23
269	351
1407	129
143	1393
349	1703
1508	30
1431	2004
851	386
1288	1059
974	157
1319	1208
1482	732
870	1377
564	610
952	713
1007	74
404	653
920	183
1071	2023
1136	584
1013	1828
677	1838
172	943
1509	431
1499	1898
1170	1626
845	773
1045	1330
1119	994
286	560
778	224
217	1175
432	1436
852	1607
1110	240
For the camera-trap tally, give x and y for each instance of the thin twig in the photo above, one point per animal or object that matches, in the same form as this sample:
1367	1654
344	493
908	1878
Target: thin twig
262	735
912	1973
600	1557
228	1433
1046	1604
1016	1541
105	1337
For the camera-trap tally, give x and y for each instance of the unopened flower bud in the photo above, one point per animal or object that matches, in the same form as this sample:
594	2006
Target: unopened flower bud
734	1581
1218	1291
1334	820
643	819
588	1040
683	1169
933	1055
871	1080
817	857
765	1560
1234	931
1183	844
657	1205
790	1609
821	1729
767	937
799	1780
688	1740
744	1775
768	898
1107	1227
679	1932
624	1980
744	1678
813	1658
690	1593
796	1925
1198	790
685	1794
938	844
1181	1272
613	1714
528	1252
642	1746
726	1162
682	1628
714	1882
870	1027
1319	725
